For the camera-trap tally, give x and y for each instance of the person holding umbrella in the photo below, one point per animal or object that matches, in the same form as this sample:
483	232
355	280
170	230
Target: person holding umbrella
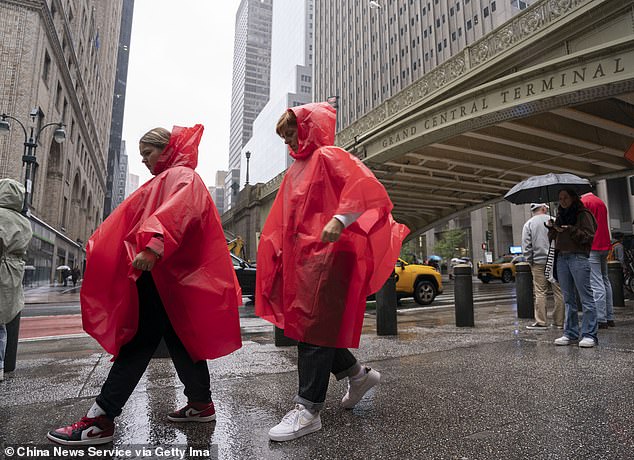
573	232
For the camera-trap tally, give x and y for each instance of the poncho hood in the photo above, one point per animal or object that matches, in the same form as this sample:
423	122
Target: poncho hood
182	149
316	125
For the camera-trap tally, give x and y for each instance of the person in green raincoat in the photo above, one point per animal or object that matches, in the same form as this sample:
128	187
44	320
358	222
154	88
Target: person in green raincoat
15	234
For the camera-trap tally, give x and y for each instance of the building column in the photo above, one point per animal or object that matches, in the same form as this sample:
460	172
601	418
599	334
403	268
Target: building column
630	197
478	227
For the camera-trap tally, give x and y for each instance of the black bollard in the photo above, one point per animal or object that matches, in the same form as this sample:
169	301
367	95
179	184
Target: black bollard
615	274
524	291
281	340
11	354
386	323
463	293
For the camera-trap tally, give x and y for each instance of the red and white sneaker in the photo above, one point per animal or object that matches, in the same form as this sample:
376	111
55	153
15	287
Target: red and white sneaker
194	412
87	432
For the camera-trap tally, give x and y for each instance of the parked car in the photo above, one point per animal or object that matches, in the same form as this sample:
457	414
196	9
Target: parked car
246	276
503	268
423	282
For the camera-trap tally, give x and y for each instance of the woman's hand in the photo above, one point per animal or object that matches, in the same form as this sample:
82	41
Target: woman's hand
332	231
145	260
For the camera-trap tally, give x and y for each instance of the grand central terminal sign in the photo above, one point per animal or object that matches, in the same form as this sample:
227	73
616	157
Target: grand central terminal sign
513	96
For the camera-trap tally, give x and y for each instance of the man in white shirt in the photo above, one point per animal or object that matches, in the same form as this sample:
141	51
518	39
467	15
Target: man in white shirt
535	246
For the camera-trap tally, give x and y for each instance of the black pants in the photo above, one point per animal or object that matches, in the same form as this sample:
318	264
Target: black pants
135	355
314	365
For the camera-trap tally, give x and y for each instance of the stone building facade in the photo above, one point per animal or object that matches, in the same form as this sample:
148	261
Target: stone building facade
57	62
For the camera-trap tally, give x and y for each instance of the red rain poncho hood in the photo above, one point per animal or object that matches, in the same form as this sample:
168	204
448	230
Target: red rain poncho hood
195	277
317	291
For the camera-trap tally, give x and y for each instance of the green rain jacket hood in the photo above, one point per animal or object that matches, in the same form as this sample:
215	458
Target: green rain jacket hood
15	234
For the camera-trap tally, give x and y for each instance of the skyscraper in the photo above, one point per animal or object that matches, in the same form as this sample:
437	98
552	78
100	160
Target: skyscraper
291	85
367	51
251	78
116	174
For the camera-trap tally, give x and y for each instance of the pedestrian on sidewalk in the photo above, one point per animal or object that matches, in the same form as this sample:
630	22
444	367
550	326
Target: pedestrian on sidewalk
599	281
329	241
15	235
158	268
535	247
75	274
573	231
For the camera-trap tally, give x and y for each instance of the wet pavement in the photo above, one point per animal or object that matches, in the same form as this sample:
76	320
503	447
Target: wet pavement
495	391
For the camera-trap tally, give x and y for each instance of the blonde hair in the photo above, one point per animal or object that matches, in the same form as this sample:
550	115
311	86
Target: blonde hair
158	137
288	118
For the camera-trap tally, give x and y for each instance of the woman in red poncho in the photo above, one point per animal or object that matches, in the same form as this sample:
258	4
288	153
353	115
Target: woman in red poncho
158	267
314	276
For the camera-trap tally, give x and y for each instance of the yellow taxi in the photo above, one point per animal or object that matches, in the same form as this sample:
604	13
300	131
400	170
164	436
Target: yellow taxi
503	268
422	282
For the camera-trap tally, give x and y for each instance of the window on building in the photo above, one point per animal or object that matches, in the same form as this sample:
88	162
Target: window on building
64	206
459	31
458	6
519	4
451	11
453	36
46	68
58	95
469	24
439	47
492	7
475	19
438	22
485	12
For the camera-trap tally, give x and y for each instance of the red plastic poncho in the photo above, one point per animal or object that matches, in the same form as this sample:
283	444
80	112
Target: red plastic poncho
317	291
195	277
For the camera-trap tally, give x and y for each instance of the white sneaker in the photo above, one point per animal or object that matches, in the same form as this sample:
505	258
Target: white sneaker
295	424
358	387
563	340
587	342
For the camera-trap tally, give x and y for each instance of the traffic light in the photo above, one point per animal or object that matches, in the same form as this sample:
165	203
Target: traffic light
488	235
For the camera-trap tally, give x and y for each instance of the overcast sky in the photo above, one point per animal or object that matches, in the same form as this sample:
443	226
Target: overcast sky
181	57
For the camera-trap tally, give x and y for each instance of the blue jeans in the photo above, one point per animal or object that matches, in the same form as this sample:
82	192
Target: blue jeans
3	343
573	271
601	287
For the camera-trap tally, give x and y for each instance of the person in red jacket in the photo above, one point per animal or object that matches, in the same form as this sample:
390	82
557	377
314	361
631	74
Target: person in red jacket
599	281
329	241
158	268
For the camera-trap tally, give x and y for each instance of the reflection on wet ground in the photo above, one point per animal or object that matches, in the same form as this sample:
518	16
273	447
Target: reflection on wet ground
492	391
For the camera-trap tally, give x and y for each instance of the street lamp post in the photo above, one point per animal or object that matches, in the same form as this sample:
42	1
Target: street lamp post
248	155
30	145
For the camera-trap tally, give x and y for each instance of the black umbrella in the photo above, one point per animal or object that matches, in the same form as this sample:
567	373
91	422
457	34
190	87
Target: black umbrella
543	189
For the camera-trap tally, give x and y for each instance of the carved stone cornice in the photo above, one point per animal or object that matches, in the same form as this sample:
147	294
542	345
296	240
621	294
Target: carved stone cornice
515	32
